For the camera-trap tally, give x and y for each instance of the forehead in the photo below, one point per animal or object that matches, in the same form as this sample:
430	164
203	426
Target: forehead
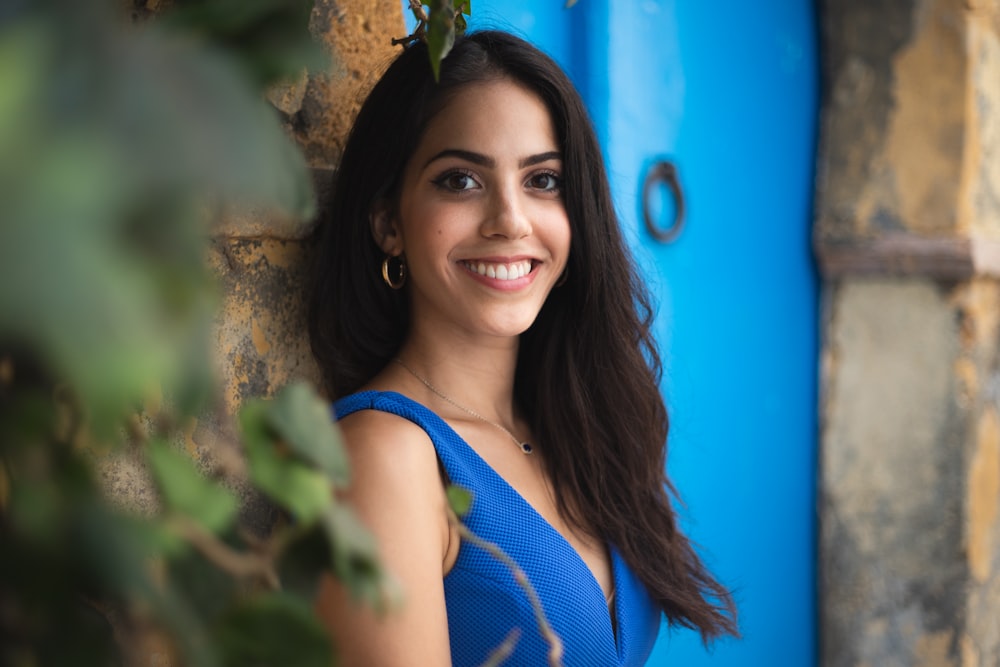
499	115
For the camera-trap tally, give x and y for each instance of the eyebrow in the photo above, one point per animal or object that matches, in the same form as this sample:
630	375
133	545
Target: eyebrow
486	161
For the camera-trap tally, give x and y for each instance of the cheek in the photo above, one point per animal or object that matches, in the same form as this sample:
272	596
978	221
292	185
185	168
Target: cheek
565	235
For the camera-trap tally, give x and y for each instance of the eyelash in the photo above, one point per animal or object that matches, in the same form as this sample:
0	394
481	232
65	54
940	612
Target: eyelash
442	180
556	178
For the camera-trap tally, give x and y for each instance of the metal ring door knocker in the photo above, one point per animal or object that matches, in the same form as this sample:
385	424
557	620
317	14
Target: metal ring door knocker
665	173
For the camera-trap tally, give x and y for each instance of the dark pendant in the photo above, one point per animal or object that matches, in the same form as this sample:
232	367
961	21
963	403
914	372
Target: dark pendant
526	447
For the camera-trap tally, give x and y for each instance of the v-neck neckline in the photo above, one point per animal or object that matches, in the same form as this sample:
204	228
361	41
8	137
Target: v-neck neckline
613	626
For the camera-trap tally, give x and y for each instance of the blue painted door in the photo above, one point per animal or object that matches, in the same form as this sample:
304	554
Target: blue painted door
727	92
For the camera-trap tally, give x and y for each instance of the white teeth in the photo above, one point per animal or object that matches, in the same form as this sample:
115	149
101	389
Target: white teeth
501	271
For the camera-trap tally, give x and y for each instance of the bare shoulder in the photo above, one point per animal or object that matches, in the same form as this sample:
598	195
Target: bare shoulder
396	489
395	481
385	448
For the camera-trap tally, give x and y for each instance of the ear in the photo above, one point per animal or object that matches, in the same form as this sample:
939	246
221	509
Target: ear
385	229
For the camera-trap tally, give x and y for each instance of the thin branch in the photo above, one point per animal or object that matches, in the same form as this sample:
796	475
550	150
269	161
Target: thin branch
550	636
504	651
418	11
238	564
416	35
135	430
420	31
227	460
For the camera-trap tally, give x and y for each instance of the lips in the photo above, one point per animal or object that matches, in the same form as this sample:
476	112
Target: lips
500	271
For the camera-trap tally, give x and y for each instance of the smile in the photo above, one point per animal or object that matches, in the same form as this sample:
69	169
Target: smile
511	271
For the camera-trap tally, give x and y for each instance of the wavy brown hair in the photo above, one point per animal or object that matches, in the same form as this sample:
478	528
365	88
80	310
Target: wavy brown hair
588	368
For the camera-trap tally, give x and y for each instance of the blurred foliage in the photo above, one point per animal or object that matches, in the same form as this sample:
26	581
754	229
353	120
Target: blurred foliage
118	145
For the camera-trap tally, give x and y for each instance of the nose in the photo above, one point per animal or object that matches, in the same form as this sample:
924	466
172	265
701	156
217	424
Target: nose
507	217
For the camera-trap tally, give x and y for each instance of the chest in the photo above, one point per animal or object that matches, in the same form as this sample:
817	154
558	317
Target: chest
486	602
525	475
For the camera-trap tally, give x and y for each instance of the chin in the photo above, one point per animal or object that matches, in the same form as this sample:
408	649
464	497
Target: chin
510	328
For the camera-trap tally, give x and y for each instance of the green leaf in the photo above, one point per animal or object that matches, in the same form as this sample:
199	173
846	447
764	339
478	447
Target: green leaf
273	630
270	38
110	160
186	627
465	6
206	119
354	556
440	34
185	490
201	584
115	547
305	492
36	511
305	423
459	499
305	558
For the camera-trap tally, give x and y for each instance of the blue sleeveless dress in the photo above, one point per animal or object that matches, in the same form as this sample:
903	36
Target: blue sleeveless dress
484	602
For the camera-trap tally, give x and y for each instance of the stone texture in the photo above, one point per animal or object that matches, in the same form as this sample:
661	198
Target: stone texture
260	331
907	176
910	473
910	470
255	222
981	205
358	35
260	258
857	189
978	367
891	534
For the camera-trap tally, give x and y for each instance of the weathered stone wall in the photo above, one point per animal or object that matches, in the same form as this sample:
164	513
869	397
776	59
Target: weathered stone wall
908	178
260	258
907	230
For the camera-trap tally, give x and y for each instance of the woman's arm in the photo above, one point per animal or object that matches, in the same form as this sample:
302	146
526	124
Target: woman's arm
397	491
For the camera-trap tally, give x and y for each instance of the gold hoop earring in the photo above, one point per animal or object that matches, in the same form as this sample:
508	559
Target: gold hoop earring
400	272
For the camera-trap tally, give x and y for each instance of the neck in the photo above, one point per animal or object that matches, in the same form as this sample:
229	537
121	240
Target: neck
478	376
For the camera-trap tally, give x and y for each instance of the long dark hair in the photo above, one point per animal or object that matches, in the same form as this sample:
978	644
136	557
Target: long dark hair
588	369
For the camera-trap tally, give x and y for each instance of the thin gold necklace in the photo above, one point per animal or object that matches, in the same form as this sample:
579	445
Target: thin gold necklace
523	446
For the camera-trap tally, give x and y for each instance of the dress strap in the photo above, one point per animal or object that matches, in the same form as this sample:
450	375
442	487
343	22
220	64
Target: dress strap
461	464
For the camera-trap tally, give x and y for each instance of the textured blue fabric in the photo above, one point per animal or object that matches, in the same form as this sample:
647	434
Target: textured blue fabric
485	603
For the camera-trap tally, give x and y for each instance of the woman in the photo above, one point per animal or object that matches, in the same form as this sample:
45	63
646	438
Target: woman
477	315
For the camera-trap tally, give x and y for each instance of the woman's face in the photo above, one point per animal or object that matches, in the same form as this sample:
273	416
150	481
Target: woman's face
480	217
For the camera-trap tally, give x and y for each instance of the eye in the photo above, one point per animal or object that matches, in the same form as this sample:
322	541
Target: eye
546	181
456	181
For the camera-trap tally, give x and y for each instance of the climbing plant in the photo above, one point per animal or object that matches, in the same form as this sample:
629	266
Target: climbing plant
124	126
437	26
